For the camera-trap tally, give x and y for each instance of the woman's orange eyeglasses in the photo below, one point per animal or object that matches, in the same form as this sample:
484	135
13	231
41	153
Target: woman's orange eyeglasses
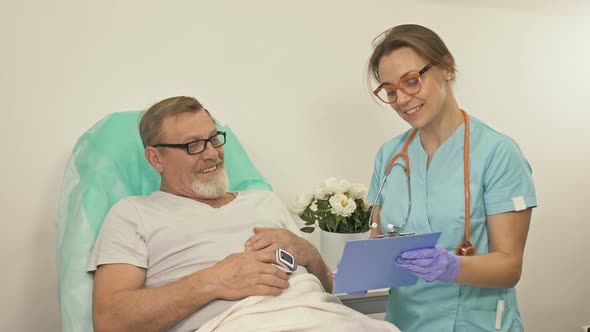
410	84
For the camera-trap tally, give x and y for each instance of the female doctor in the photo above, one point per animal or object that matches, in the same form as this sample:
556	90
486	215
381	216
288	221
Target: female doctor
466	180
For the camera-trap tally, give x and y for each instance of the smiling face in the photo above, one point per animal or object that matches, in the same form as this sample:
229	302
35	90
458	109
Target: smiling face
201	176
427	107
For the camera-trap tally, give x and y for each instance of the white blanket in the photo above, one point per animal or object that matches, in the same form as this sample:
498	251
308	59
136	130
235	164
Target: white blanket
304	306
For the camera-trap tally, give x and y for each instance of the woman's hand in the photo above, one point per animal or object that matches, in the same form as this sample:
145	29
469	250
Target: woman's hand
430	264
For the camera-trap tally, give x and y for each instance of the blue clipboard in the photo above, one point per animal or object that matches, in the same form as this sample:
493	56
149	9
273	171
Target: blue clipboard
370	264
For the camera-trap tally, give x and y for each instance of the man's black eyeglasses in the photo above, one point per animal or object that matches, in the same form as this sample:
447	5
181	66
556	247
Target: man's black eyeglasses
198	145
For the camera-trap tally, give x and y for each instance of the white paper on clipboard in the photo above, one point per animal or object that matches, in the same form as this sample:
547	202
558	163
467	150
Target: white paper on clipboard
370	264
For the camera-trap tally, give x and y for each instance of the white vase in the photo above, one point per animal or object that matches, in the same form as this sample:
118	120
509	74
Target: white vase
332	245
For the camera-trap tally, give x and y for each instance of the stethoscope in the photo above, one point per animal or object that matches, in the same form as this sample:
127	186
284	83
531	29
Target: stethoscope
464	248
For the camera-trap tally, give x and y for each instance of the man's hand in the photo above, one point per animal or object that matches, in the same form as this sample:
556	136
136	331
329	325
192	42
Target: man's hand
250	273
271	239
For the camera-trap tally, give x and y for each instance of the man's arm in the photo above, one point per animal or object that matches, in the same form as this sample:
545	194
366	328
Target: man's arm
306	254
320	269
122	303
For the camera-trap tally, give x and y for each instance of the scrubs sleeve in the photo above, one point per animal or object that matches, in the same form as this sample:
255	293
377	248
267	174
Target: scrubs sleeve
121	238
508	182
376	178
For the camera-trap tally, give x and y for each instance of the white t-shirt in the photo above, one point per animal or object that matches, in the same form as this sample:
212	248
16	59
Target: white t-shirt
173	236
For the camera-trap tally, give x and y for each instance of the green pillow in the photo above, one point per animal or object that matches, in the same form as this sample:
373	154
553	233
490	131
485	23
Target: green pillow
106	165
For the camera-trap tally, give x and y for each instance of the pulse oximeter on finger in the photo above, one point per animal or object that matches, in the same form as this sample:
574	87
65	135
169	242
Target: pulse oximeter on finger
286	261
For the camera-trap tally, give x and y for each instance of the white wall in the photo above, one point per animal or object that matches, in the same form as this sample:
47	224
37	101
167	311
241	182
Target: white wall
289	78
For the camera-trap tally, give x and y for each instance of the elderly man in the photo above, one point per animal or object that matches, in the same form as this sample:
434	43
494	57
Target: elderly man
184	254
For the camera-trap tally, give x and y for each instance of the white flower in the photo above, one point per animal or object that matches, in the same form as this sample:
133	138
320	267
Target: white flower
331	184
320	192
342	187
314	207
342	205
301	202
357	191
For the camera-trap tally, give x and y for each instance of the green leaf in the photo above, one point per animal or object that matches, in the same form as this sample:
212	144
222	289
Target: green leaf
307	229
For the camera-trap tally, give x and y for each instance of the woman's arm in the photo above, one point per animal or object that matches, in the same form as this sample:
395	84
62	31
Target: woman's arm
501	268
377	220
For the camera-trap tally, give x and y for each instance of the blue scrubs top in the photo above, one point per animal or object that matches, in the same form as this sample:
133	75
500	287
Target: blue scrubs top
499	180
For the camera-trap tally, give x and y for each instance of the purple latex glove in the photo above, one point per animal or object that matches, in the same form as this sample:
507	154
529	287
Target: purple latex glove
358	293
430	264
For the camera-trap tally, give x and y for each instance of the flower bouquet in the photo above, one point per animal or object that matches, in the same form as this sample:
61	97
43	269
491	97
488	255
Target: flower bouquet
336	206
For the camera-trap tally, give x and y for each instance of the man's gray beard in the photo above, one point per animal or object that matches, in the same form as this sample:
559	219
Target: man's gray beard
212	189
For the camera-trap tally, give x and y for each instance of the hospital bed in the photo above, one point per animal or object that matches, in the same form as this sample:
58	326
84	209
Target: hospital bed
107	164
